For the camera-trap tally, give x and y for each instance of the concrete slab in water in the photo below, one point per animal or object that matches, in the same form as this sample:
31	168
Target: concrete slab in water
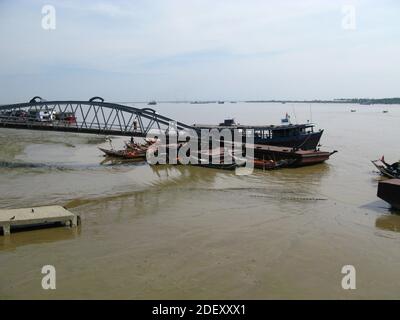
35	216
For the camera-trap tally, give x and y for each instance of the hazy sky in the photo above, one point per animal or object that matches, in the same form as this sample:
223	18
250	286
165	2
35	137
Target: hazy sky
199	49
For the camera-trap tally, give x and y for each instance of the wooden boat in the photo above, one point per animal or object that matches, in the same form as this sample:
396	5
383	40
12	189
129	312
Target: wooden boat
132	145
387	170
389	191
311	157
125	154
132	151
298	157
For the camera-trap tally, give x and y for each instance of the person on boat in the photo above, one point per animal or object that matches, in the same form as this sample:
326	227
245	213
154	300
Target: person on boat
394	166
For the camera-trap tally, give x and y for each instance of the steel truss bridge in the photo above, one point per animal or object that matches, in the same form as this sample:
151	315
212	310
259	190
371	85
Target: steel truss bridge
94	116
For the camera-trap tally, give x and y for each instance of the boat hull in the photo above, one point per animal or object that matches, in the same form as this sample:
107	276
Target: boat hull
298	157
389	191
124	154
312	158
304	141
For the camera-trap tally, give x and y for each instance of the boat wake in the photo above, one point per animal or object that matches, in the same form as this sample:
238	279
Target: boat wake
30	165
9	164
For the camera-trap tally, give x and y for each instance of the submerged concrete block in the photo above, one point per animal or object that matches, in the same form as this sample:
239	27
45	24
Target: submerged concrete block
26	217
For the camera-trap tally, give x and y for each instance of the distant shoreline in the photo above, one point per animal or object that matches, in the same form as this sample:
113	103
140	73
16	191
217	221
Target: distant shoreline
362	101
355	101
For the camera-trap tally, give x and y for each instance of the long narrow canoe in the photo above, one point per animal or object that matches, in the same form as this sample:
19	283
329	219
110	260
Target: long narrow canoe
125	154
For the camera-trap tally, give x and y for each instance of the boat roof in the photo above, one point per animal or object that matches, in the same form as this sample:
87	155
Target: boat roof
254	127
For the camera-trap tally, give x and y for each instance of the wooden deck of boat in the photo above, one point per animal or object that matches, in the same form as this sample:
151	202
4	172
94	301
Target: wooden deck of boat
37	216
264	147
302	157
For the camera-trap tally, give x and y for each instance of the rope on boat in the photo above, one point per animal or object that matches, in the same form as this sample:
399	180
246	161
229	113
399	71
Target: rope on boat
299	146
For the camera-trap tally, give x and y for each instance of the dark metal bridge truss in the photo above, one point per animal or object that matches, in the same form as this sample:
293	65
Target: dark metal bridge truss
93	116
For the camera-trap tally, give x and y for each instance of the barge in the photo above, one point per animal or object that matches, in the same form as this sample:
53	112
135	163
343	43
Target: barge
299	157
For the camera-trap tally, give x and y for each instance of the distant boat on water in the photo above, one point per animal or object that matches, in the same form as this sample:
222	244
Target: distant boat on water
152	103
201	102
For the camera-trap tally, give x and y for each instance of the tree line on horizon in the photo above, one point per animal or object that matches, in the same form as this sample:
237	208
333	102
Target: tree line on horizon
366	101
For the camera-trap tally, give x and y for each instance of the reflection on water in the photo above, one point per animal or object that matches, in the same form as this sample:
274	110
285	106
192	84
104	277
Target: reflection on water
390	222
188	232
109	161
10	164
38	236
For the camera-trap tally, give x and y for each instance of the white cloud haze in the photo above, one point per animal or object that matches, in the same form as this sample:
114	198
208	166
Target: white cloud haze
199	49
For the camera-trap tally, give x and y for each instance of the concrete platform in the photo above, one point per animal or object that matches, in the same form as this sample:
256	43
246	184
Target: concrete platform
37	216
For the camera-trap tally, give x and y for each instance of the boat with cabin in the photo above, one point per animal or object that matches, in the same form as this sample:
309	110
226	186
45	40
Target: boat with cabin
302	136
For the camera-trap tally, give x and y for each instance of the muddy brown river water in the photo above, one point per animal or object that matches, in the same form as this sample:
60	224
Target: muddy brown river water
195	233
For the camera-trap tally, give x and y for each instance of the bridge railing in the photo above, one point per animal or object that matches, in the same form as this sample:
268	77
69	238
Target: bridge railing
83	116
